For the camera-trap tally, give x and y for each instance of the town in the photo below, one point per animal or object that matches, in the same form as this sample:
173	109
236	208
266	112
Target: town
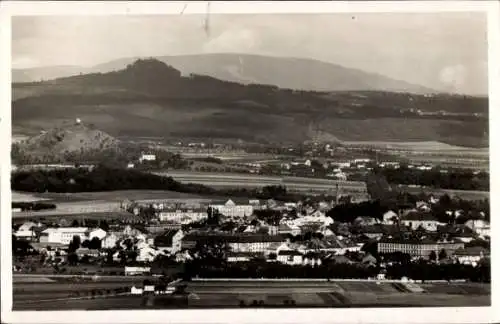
165	237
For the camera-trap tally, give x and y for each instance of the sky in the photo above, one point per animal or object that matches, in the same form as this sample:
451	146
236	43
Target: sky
442	51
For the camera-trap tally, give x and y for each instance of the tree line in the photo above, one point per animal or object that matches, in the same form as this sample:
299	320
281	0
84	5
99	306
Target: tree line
105	178
24	206
453	179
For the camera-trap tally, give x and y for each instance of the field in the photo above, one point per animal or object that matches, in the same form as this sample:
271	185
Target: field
94	204
226	180
60	295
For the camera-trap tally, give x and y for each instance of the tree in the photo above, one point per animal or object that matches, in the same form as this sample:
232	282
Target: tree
95	243
74	244
104	225
442	254
432	256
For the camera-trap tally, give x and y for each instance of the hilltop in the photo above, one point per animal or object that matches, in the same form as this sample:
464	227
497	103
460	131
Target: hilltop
67	142
151	98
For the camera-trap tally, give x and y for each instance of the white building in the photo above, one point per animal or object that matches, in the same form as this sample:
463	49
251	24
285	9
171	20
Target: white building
132	271
63	235
146	254
147	157
98	232
415	220
479	226
182	216
231	209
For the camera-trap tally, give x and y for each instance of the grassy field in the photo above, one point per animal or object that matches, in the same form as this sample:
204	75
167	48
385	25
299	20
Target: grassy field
463	194
116	195
216	294
228	180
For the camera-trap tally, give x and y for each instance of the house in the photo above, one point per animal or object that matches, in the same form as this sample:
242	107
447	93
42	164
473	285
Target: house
417	219
170	241
130	231
146	254
109	241
276	247
471	255
423	206
338	259
372	231
232	209
479	226
290	257
369	260
98	232
459	232
289	229
28	231
182	215
63	235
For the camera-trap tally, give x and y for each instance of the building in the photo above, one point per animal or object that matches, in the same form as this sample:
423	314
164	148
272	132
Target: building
232	209
146	254
479	226
416	220
63	235
170	241
418	249
147	157
471	255
290	257
137	271
98	232
182	216
109	241
28	231
241	242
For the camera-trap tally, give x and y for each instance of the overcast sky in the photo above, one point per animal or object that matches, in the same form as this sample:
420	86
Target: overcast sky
444	51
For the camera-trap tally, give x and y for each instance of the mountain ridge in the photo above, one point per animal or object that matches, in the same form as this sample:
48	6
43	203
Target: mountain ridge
283	72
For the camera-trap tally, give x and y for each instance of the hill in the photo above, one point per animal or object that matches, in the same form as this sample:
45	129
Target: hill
283	72
150	98
69	141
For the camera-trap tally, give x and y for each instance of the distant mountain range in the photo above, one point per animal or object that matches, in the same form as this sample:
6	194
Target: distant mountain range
151	98
288	73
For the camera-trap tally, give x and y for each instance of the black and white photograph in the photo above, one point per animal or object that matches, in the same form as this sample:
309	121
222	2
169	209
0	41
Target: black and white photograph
207	160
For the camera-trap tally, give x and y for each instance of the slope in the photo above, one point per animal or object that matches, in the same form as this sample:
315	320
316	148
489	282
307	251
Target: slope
61	143
150	98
